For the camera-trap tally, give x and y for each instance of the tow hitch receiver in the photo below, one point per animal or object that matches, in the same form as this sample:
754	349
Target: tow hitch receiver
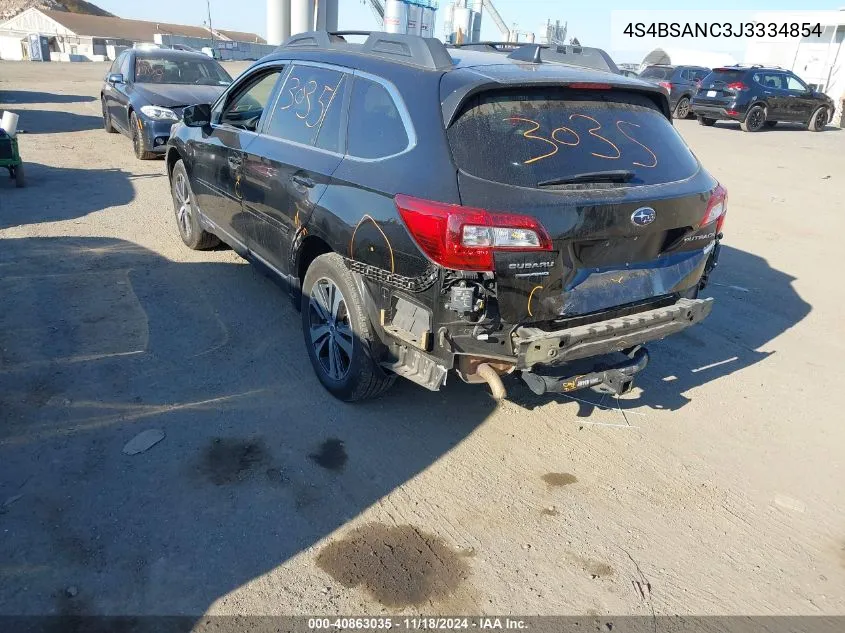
618	379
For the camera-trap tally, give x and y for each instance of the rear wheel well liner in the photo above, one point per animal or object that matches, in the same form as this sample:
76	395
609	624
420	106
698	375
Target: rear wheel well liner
309	249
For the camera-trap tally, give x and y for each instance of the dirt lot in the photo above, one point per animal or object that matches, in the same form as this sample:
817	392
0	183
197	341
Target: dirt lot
716	487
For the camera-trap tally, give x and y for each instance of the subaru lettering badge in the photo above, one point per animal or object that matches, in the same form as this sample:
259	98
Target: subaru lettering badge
643	216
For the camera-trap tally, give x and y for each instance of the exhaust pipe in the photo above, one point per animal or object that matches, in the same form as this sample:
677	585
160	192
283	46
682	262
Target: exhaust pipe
491	377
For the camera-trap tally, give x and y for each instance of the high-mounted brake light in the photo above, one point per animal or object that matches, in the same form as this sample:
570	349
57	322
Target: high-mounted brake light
717	207
737	85
589	85
464	238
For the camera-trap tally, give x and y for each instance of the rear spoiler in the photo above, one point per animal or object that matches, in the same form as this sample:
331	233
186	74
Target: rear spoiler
452	104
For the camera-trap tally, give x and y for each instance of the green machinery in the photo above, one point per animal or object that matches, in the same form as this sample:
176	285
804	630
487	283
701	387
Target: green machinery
10	158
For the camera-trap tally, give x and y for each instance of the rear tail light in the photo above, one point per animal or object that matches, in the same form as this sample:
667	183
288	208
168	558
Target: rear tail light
464	238
737	86
717	207
667	85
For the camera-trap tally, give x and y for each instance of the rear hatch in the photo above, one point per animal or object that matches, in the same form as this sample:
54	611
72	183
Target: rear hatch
720	87
618	192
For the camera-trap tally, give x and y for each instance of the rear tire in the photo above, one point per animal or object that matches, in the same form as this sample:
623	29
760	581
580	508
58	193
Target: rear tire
703	120
754	120
187	214
682	109
107	125
338	334
819	120
139	145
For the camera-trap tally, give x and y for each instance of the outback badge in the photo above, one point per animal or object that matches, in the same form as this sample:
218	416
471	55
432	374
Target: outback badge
643	216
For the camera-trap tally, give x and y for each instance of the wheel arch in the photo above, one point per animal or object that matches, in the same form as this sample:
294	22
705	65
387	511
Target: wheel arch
171	158
306	249
759	102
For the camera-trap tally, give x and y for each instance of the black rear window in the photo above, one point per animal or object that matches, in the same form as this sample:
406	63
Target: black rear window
723	75
657	72
526	138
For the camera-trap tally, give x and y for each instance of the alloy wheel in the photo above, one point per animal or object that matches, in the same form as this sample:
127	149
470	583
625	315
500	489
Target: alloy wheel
330	329
183	200
756	118
683	109
821	119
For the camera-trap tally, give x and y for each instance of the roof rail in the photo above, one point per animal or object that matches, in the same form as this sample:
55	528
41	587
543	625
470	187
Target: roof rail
413	50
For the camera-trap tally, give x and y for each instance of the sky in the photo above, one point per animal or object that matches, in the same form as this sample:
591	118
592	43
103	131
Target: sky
588	21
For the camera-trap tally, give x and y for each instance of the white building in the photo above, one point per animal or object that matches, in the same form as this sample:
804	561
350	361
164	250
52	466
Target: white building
818	60
83	37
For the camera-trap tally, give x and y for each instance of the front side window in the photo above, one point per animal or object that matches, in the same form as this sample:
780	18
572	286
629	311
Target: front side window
125	66
309	107
375	129
794	84
115	67
190	71
245	107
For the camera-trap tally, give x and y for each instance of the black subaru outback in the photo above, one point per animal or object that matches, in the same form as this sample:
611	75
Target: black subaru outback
470	211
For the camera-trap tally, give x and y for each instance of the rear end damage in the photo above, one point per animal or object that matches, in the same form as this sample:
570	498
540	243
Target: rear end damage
586	229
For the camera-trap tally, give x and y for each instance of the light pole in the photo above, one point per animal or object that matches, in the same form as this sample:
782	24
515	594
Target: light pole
210	28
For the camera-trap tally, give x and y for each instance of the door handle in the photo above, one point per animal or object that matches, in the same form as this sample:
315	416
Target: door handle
303	181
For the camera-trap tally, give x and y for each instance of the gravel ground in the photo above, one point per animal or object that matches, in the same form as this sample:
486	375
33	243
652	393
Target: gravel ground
714	488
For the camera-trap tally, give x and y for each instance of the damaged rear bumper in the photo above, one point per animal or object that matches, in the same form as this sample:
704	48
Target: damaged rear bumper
539	347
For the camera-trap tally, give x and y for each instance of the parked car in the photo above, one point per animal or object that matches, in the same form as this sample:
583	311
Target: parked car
471	212
629	73
758	97
146	89
680	81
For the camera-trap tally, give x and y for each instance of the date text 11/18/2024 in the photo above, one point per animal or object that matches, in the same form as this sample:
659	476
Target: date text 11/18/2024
416	624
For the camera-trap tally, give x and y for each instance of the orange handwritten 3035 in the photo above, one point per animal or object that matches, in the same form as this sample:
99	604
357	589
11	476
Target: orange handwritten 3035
297	93
553	141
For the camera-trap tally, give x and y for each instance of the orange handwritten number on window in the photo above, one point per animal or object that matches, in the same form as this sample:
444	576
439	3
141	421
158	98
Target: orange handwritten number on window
306	93
592	132
530	134
633	140
570	131
292	92
324	105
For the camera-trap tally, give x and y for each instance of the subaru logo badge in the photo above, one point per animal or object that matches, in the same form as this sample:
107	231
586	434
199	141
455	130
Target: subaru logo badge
643	216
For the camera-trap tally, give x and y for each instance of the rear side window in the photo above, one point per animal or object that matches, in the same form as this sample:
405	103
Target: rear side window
657	72
527	139
772	80
310	99
376	129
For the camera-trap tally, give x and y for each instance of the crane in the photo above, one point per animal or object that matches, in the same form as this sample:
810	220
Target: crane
500	23
377	8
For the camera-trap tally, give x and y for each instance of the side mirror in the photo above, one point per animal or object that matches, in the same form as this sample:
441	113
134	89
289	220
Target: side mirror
115	78
197	115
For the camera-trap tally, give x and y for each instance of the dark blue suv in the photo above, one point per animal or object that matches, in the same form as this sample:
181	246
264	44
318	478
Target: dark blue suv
758	97
681	82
